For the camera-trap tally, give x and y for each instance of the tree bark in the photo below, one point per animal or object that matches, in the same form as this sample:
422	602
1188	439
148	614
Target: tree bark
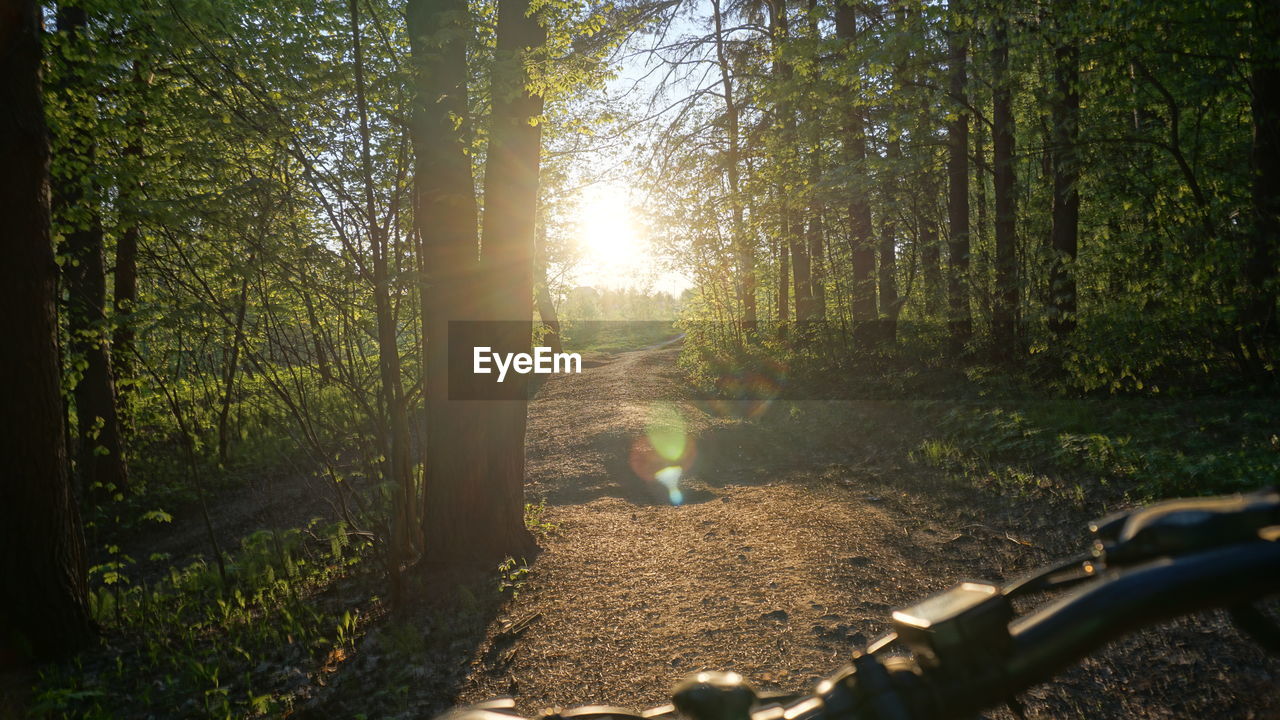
890	303
862	253
783	252
398	469
43	599
1004	312
1064	116
101	464
888	276
125	288
474	500
506	261
446	218
742	248
960	321
930	261
229	374
814	233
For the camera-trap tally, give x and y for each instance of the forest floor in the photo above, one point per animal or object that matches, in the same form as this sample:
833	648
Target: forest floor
798	532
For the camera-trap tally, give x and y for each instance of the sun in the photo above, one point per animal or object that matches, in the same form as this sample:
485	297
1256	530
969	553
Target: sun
614	245
615	252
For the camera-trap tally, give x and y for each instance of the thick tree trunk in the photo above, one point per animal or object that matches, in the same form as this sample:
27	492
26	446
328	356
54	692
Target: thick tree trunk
101	465
1004	313
960	322
474	510
925	206
1064	234
446	219
801	271
890	303
507	246
862	253
43	607
817	251
888	276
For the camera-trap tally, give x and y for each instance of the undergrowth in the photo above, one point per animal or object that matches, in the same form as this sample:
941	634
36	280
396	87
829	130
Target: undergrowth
211	643
1144	448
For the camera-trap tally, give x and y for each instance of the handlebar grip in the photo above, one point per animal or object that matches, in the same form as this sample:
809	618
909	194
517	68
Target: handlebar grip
1061	633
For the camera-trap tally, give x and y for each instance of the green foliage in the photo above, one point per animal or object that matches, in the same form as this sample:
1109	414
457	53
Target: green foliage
512	576
222	650
535	519
1147	449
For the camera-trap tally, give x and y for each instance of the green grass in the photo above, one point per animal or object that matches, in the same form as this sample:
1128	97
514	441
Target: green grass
1146	448
194	645
616	336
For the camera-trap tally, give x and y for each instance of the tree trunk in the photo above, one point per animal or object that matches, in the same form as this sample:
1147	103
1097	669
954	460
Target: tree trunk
960	322
398	469
862	254
101	464
125	290
1003	321
474	510
1064	114
925	206
43	604
930	261
506	262
794	242
889	302
815	241
546	308
229	374
784	265
743	251
445	216
814	236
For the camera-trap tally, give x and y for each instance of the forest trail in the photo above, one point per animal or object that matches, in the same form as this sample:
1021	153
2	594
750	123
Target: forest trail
796	538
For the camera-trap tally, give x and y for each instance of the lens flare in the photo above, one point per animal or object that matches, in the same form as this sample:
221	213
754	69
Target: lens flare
746	389
664	453
666	432
670	477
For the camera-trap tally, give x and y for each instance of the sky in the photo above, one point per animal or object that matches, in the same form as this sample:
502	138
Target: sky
612	234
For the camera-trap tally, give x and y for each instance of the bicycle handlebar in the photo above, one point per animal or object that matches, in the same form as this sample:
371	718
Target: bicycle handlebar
968	652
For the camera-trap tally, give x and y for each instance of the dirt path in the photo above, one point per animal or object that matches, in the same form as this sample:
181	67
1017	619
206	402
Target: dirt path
795	539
